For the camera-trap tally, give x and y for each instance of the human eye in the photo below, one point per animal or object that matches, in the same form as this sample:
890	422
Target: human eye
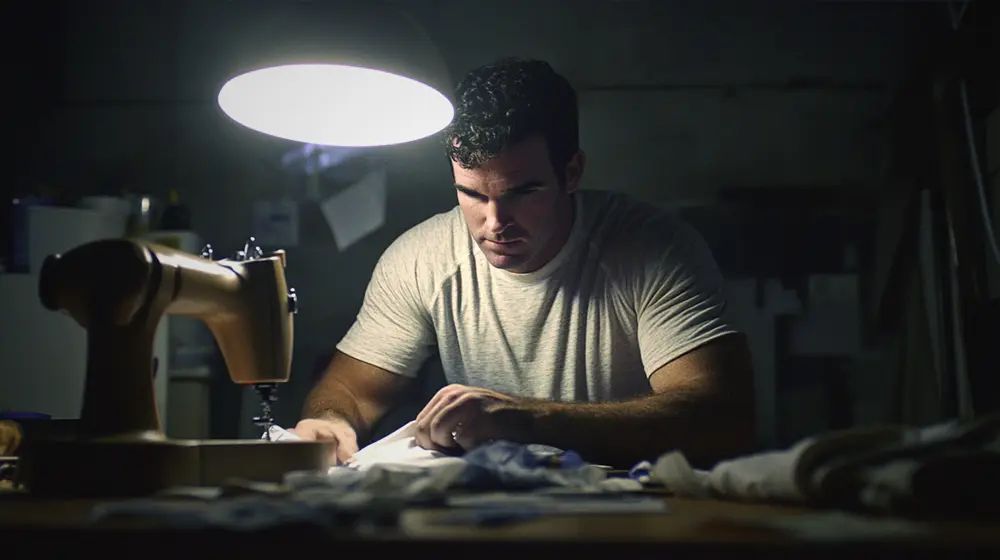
521	192
479	197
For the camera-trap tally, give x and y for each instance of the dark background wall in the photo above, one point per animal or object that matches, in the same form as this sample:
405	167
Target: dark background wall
682	104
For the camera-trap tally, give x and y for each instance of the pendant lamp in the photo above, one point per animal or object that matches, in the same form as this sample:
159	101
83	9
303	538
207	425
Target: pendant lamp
335	73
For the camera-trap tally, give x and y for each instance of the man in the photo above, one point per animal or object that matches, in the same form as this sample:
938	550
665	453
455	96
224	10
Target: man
584	320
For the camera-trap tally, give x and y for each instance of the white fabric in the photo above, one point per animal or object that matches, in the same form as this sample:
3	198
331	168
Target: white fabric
399	448
633	288
396	449
797	473
765	476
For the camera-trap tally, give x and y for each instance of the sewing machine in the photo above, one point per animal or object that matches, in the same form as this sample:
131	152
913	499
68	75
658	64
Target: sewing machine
119	290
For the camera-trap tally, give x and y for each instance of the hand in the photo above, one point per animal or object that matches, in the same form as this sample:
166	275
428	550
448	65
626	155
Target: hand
336	430
460	417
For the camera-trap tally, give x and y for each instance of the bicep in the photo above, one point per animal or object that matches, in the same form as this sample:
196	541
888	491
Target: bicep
714	384
392	330
680	300
720	366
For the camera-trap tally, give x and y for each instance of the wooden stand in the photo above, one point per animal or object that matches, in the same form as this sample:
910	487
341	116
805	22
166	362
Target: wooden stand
132	468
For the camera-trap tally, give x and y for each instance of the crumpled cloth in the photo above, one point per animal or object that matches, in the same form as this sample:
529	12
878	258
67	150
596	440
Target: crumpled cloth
382	480
497	465
946	467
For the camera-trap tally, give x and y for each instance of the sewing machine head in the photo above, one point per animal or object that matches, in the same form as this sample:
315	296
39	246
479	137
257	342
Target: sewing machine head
119	290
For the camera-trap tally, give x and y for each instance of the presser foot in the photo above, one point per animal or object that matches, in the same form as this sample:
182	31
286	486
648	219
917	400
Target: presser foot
266	392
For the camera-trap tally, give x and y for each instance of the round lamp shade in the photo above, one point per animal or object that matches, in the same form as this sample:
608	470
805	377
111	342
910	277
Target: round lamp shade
350	74
335	105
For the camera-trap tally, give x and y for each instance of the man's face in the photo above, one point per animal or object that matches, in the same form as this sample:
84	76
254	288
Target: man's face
515	208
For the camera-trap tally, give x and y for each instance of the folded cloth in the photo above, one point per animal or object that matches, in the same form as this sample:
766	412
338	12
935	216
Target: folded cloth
892	469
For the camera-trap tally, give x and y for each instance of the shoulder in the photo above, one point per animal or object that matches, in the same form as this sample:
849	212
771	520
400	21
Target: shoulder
428	252
628	231
427	237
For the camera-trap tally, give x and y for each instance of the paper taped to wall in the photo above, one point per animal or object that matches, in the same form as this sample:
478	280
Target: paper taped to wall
276	223
357	210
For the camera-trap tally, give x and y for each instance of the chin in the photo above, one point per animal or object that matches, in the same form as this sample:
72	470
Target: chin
505	262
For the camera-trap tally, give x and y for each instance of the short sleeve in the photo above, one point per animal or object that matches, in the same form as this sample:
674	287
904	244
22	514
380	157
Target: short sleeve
392	330
680	297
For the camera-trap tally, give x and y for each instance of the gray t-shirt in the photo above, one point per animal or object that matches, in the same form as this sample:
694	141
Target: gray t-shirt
633	288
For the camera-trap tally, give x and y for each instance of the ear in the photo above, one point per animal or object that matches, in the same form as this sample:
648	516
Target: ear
574	171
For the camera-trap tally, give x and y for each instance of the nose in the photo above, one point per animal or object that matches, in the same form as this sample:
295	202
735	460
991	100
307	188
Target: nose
498	217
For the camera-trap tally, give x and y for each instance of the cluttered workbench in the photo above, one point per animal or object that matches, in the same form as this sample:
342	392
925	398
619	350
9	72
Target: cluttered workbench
113	479
686	525
382	508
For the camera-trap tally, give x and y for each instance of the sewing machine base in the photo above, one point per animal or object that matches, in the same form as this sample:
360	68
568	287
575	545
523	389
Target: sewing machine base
141	467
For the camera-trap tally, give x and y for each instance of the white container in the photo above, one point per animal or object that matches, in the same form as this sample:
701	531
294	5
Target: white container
56	229
120	208
44	358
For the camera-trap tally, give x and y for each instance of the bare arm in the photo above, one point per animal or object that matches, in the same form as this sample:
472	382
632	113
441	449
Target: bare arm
703	405
355	391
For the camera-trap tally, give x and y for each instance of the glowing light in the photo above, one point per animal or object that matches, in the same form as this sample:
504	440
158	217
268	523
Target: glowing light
335	105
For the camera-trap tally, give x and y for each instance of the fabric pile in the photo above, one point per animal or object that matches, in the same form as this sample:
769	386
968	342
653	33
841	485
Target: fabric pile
392	474
498	465
944	469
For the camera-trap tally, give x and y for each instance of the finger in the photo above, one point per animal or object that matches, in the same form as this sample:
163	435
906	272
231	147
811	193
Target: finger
304	434
342	455
454	418
326	435
422	419
425	436
422	415
310	430
323	433
422	436
443	398
431	404
442	394
347	445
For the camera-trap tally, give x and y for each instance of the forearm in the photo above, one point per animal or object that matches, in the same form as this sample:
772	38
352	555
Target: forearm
705	427
332	399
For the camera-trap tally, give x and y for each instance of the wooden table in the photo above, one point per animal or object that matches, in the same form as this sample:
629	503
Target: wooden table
690	526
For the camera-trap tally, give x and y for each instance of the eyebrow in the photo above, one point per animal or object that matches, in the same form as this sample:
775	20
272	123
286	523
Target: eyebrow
519	188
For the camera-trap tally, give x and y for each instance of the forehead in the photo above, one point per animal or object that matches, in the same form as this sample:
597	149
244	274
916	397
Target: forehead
521	163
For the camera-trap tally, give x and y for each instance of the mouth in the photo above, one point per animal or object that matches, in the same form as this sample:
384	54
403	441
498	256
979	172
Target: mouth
501	244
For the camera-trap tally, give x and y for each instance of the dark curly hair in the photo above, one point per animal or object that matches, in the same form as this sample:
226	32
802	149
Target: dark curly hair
510	100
